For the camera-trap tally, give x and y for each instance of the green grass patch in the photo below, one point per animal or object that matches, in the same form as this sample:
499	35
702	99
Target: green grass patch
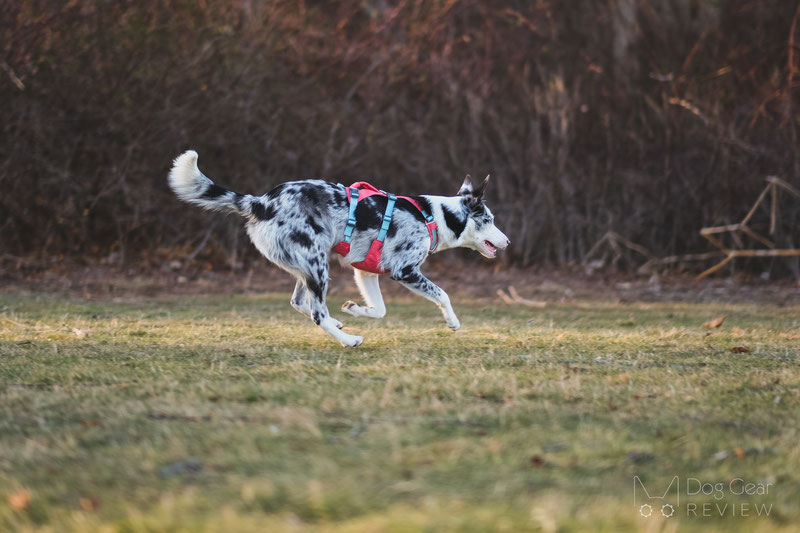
234	413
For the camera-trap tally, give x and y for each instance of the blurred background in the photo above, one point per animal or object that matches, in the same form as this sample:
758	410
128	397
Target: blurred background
649	118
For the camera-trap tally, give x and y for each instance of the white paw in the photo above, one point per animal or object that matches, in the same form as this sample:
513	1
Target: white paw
351	308
351	341
454	324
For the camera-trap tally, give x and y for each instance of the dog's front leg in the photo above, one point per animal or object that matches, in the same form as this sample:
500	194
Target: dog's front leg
370	289
412	278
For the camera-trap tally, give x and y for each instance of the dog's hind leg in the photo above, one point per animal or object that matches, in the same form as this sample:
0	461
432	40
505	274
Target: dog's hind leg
300	299
412	278
371	292
317	284
301	302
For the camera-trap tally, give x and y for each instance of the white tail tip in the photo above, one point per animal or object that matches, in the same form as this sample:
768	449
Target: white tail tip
185	178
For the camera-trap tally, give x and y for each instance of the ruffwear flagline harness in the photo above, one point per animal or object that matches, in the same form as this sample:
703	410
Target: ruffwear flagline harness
371	263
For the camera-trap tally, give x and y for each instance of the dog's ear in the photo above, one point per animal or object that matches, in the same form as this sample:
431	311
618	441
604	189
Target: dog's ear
478	192
466	187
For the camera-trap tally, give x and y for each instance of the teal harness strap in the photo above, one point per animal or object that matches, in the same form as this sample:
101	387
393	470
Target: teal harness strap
433	232
351	217
387	217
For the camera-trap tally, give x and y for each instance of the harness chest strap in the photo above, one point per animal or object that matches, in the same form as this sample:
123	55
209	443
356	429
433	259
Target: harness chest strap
429	223
371	263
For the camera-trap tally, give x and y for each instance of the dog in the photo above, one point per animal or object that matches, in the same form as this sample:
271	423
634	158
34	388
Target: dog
296	224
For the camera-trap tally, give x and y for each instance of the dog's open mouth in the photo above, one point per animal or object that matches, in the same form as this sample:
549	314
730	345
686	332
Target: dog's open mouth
489	249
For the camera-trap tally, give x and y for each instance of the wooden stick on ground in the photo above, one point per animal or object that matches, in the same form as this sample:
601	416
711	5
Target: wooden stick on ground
773	183
513	298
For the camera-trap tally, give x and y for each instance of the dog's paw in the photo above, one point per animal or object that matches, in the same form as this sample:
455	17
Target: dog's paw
351	341
350	307
454	324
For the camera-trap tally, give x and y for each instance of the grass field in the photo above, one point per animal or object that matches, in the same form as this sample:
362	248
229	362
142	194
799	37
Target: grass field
233	413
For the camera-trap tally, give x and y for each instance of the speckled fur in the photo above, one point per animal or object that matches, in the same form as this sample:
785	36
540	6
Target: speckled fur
296	224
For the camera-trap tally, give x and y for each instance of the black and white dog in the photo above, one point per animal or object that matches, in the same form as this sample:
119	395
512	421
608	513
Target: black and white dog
296	224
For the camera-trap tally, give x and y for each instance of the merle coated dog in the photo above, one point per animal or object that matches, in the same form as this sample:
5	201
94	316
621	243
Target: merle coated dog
295	225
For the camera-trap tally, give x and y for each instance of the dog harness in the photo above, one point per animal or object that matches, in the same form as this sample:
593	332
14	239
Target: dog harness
357	192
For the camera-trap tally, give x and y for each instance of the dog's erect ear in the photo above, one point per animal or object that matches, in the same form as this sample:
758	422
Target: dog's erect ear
466	187
478	192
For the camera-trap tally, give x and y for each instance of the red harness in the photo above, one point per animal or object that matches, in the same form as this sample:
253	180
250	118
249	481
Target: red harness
357	192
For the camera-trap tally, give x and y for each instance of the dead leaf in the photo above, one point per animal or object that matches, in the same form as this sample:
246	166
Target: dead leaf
738	332
623	379
717	322
20	499
493	445
740	349
89	504
739	453
537	461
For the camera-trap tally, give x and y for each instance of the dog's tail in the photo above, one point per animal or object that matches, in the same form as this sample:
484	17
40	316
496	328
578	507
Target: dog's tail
193	186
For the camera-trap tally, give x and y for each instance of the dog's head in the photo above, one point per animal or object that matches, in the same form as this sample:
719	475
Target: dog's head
480	233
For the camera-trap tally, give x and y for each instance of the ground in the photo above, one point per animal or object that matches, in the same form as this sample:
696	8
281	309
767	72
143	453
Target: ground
130	410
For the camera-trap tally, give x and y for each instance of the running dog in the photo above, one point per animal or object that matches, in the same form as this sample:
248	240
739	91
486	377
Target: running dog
297	224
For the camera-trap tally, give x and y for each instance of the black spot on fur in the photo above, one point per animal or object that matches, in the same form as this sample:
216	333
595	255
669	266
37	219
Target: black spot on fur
392	229
340	198
262	212
276	191
407	206
316	316
426	205
408	274
476	208
315	287
369	212
479	214
454	221
311	194
300	238
214	191
404	246
313	223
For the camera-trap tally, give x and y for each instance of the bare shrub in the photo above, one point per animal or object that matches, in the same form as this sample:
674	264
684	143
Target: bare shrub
647	118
